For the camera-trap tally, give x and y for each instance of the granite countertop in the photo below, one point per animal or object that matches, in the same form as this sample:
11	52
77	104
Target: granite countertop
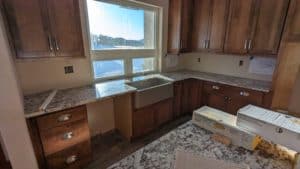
68	98
190	138
258	85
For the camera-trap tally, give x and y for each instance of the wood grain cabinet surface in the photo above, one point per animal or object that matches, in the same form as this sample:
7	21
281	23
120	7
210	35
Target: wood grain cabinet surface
62	139
209	25
255	26
44	28
151	117
180	20
230	99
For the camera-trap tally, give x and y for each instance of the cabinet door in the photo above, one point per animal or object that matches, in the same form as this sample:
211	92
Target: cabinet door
218	23
201	20
238	28
27	22
66	27
269	22
216	101
293	28
174	29
143	121
195	94
234	104
186	25
177	100
163	112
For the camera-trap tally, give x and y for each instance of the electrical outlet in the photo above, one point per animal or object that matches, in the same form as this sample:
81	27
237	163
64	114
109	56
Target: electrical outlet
199	60
241	63
69	69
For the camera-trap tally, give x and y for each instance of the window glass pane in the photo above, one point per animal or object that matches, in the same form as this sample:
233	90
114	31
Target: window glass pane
142	65
115	26
107	68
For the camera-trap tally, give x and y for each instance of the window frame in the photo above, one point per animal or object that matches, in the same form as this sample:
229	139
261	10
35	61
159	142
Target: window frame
127	54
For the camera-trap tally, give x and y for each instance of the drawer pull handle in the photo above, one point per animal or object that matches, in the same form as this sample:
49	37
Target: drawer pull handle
216	87
64	117
246	94
71	159
68	136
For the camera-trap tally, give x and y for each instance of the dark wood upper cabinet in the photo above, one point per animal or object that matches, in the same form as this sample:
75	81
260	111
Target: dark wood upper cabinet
179	25
241	14
44	28
218	23
267	27
200	24
66	28
293	28
209	25
27	22
186	22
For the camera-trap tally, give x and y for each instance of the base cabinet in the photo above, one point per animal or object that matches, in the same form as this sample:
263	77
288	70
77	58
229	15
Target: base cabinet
149	118
61	140
230	99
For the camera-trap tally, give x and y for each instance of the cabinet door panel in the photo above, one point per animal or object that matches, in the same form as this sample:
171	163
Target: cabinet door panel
174	26
234	104
201	20
195	94
186	24
217	29
238	28
66	27
293	29
269	24
177	103
27	22
143	121
216	101
164	112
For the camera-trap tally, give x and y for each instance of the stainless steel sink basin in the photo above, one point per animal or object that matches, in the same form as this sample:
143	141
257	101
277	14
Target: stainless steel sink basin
150	91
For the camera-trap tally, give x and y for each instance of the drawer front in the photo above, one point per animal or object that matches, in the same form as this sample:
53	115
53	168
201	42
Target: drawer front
74	157
210	87
62	137
61	118
254	97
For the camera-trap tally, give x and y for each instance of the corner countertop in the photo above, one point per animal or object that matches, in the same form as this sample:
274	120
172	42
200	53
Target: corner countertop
68	98
258	85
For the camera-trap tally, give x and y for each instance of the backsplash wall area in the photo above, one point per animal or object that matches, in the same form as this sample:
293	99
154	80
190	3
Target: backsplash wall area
220	64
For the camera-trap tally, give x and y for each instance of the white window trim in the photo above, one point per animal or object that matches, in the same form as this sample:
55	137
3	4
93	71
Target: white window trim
127	54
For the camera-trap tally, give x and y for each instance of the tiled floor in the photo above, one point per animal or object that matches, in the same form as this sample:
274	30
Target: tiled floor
112	147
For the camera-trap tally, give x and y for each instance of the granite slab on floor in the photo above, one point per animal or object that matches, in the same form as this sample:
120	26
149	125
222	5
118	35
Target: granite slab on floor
160	154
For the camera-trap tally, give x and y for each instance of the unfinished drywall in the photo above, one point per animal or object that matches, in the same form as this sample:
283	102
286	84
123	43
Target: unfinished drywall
221	64
101	116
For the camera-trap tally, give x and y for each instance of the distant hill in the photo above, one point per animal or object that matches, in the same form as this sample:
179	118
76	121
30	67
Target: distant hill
110	41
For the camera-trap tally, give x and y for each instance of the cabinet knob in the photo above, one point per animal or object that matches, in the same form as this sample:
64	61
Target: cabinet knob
243	93
68	136
71	159
215	87
64	117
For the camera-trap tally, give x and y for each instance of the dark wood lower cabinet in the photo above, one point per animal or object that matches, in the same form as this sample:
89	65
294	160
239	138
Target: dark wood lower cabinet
230	99
149	118
191	95
61	140
177	101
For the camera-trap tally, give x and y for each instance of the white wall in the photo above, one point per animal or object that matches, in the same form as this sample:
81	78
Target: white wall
221	64
12	121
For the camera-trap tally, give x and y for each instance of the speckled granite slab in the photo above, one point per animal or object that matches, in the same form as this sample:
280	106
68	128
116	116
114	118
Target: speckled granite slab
160	154
258	85
32	103
69	98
